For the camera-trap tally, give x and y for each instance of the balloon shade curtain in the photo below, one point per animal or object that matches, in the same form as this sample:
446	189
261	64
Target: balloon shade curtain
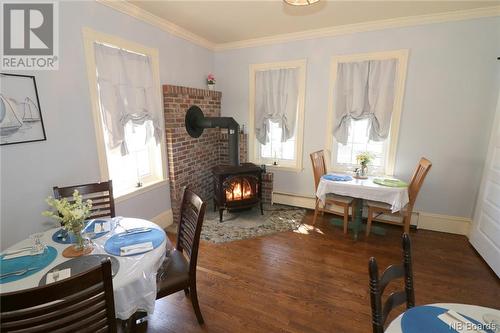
364	90
126	94
276	100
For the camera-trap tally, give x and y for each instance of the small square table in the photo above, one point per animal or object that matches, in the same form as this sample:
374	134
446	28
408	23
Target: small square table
360	190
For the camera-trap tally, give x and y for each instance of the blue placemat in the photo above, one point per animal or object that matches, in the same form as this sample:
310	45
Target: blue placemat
337	177
39	261
70	238
425	319
113	245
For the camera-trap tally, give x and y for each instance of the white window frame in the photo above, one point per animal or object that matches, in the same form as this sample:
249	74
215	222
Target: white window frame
253	145
331	143
343	167
89	38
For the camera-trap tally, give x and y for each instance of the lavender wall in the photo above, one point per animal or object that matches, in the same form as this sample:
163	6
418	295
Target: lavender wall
69	156
451	92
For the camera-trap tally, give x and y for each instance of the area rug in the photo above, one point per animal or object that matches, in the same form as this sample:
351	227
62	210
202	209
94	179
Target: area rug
248	223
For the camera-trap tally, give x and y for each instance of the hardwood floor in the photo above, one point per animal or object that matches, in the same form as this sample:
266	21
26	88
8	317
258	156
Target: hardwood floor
317	281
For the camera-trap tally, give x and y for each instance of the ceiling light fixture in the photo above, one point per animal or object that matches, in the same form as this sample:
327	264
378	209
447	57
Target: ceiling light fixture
301	2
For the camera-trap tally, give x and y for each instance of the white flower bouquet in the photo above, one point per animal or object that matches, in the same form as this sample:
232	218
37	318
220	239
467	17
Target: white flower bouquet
71	214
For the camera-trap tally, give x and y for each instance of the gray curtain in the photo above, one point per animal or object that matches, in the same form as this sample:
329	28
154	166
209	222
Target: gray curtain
126	92
364	90
276	100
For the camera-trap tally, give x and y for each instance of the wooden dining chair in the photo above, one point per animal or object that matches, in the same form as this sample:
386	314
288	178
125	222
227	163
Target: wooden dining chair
178	272
376	208
319	169
101	194
81	303
378	284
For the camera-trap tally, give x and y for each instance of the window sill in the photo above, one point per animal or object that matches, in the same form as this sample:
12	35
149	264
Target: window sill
139	190
283	168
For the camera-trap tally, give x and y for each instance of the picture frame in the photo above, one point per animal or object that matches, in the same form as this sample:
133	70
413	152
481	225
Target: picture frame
20	113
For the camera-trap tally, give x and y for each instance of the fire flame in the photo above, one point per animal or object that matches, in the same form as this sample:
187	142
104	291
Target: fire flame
239	193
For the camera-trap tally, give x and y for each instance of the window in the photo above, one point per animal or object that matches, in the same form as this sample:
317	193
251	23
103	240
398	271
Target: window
358	141
124	87
275	150
141	166
357	138
276	114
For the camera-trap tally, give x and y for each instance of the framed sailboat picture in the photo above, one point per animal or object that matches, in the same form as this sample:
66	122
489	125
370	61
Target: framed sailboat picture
20	113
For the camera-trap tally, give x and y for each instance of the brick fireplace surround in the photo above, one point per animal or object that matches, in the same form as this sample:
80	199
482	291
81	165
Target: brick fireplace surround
190	160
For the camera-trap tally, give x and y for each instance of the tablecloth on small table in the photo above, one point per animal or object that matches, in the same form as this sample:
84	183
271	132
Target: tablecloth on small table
366	189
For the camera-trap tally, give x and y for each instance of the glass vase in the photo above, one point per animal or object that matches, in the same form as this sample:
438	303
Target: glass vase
81	245
79	241
364	170
82	240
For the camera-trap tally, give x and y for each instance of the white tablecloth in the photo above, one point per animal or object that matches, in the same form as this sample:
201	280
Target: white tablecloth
397	197
135	284
473	311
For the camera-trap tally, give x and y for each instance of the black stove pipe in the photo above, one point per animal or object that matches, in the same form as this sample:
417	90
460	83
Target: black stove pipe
196	122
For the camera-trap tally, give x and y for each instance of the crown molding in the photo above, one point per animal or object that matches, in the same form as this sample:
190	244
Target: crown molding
143	15
364	27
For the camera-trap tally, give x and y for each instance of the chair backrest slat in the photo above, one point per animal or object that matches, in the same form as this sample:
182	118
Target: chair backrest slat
53	313
319	166
392	272
79	298
393	300
95	197
98	326
190	223
102	330
101	194
63	322
69	305
421	171
377	286
103	215
100	205
82	324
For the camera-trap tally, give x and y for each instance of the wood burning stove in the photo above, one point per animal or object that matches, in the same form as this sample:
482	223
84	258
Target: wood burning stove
237	187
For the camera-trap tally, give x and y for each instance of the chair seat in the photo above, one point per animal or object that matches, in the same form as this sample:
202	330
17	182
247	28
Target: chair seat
173	274
383	206
378	204
338	198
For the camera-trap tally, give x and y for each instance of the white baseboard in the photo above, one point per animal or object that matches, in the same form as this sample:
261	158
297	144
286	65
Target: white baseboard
296	200
445	223
164	219
422	220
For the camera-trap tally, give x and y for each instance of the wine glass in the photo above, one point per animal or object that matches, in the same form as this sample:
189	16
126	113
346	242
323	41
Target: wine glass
37	245
88	235
117	221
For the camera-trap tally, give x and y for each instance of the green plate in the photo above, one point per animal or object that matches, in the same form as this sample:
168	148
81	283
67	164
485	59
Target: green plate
390	182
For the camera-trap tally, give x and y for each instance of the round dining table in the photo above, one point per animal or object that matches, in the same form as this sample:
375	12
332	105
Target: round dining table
134	285
483	319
